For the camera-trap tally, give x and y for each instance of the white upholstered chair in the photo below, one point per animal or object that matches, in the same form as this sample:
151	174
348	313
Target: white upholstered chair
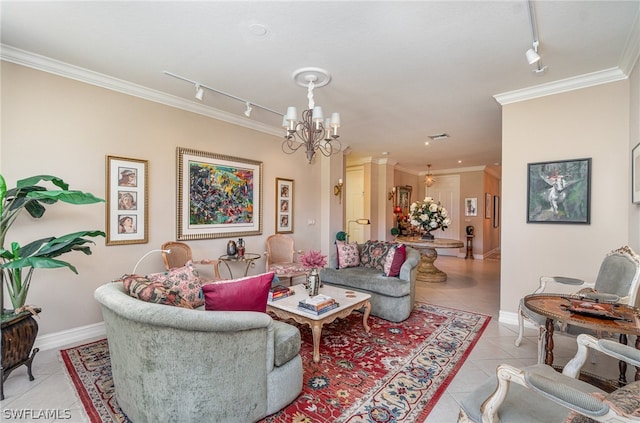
282	258
539	393
618	280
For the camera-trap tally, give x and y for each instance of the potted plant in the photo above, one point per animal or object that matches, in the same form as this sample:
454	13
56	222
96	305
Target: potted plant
17	263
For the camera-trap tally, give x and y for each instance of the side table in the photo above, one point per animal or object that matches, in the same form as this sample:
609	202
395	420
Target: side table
469	254
248	259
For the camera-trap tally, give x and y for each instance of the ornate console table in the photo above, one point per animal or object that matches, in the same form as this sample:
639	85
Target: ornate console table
427	271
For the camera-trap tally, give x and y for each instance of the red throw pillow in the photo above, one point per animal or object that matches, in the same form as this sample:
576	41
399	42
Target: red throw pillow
395	259
246	294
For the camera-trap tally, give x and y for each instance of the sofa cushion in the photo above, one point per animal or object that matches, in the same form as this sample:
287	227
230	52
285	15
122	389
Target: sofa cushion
348	254
153	292
394	260
185	280
366	279
286	339
625	401
374	254
245	294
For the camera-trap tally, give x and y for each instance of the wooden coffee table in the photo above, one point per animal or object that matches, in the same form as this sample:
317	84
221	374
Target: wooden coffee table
287	308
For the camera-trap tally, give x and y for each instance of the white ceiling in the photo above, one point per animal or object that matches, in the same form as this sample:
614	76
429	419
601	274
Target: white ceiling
401	70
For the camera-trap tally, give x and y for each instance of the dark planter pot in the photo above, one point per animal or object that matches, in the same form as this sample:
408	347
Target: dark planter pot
18	336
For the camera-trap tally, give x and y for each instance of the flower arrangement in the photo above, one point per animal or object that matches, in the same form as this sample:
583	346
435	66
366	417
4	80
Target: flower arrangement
429	215
313	259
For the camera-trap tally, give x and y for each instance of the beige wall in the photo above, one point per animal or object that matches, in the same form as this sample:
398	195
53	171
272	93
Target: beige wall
53	125
591	122
634	139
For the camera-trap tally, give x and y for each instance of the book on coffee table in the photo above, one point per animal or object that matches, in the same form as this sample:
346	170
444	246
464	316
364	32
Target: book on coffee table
317	311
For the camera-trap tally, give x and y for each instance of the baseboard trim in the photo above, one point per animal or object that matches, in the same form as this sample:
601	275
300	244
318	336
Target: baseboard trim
71	336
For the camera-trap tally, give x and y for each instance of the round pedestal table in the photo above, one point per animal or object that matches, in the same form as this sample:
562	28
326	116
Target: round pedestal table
427	271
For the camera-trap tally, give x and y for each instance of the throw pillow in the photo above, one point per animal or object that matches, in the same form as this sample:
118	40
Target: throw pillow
394	260
154	292
245	294
374	254
348	254
184	280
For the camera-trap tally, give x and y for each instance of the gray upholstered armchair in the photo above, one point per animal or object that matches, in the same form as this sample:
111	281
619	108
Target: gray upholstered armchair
618	280
172	364
539	393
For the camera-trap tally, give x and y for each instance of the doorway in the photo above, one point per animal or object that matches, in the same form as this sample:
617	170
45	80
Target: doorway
447	191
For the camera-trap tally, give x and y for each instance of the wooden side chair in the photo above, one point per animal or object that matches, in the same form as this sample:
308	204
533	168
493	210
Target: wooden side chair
181	253
282	258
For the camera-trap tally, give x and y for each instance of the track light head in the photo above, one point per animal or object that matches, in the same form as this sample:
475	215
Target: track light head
199	92
532	56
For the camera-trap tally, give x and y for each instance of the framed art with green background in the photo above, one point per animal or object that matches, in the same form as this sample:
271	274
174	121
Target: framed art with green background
559	191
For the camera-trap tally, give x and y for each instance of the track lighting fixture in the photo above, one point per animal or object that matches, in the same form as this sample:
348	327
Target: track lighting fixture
532	54
200	95
199	92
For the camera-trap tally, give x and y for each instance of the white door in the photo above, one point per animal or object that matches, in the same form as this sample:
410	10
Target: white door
354	187
446	189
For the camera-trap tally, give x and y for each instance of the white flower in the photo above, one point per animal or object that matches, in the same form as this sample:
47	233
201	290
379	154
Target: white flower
433	207
429	215
433	224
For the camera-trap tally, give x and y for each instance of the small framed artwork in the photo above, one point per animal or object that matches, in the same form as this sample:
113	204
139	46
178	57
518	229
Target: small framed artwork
496	211
127	214
218	196
403	198
284	206
635	174
470	206
559	191
488	205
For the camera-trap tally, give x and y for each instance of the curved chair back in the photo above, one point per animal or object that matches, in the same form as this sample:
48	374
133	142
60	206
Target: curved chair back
279	249
619	274
179	256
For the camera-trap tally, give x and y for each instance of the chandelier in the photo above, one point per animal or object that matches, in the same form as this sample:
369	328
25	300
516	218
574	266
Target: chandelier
429	179
313	131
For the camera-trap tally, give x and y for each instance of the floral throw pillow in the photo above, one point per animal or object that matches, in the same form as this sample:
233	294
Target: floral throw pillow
625	401
153	292
348	254
185	280
394	260
374	254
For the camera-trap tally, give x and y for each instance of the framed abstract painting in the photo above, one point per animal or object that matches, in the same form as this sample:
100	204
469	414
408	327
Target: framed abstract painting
218	196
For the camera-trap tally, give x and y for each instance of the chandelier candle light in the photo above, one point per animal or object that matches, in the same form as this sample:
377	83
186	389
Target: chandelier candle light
313	131
429	215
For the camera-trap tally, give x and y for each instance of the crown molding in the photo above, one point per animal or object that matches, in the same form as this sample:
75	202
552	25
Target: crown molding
45	64
564	85
631	52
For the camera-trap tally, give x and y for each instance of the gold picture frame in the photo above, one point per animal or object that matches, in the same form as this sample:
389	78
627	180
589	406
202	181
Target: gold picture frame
218	196
284	206
127	216
403	198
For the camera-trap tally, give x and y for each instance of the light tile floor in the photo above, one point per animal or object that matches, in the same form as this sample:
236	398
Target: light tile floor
472	285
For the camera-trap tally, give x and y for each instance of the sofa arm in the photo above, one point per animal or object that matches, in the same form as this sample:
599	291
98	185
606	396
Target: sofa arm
112	296
408	269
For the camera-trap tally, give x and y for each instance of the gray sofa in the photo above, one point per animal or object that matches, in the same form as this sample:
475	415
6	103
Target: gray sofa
174	364
392	298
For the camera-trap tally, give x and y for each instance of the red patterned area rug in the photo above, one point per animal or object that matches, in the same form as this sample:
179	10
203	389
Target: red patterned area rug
395	373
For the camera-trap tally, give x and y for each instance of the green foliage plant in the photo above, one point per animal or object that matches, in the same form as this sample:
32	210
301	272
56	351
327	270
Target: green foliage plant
17	263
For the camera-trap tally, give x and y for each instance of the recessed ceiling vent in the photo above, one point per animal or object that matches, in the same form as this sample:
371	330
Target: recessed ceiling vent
436	137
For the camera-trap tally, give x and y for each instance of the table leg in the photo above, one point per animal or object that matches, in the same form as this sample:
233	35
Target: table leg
622	365
427	271
548	358
637	377
316	330
228	269
367	310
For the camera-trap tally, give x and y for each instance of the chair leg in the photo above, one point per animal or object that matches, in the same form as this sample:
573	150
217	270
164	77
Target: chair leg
542	344
520	327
